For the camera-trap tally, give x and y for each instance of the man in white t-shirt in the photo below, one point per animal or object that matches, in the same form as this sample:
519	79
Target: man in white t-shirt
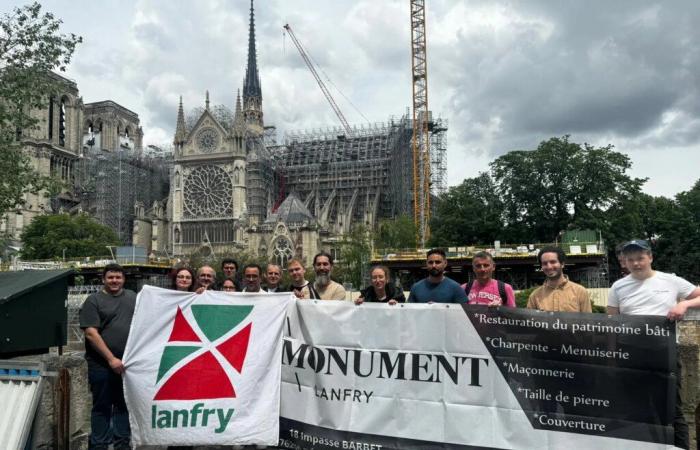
647	291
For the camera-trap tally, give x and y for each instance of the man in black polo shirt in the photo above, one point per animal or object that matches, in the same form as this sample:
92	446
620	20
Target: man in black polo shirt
105	318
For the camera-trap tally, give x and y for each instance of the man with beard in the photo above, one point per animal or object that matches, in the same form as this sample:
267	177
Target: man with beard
557	293
327	289
437	288
621	260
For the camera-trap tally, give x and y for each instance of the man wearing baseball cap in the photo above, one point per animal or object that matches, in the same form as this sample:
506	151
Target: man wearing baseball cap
648	291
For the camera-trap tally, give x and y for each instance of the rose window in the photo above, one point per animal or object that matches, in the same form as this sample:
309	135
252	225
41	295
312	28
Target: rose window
208	192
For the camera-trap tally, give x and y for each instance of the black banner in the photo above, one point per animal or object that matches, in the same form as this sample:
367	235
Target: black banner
594	374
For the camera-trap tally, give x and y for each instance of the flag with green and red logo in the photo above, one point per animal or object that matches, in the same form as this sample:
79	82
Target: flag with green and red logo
204	369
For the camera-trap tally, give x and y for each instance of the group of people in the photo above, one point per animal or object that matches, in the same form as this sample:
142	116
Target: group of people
106	315
642	291
254	279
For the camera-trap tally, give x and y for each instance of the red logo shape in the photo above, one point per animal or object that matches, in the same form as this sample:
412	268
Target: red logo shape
201	378
203	372
182	331
235	348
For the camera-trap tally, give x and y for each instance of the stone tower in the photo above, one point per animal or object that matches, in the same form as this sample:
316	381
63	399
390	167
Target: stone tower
208	180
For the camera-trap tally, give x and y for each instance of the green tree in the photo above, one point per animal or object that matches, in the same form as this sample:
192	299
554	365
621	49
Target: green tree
396	233
48	236
561	185
31	46
677	246
470	213
355	253
641	216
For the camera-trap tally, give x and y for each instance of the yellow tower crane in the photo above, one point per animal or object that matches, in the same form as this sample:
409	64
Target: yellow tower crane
421	124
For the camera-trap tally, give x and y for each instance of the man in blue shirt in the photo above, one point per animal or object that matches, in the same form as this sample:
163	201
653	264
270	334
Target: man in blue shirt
437	288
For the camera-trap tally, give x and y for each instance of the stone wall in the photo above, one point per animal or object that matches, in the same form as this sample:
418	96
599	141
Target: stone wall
46	420
689	354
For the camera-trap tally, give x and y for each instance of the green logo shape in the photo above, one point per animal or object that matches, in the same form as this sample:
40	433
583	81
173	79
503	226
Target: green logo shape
171	356
217	320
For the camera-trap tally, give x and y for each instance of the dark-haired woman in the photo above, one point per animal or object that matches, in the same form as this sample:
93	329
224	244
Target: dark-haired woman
183	279
381	290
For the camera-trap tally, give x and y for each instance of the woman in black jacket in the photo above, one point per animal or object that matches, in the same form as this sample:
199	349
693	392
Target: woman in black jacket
382	289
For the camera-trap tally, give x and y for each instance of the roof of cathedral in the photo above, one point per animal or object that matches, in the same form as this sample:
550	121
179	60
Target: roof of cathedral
251	85
221	113
292	210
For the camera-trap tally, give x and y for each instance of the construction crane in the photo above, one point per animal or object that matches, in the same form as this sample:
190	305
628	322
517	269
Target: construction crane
320	82
421	123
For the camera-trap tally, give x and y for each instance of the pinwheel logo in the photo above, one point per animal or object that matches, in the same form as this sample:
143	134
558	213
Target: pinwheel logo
191	364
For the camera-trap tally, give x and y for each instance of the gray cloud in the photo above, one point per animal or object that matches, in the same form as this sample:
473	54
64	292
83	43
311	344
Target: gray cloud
506	75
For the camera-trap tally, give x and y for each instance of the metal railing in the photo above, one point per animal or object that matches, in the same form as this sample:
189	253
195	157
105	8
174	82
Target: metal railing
78	263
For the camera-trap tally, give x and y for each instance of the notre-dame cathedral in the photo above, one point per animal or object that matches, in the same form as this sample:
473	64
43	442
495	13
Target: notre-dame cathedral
233	190
229	186
221	192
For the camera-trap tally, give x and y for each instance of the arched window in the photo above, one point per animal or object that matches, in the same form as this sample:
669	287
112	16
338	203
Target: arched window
282	251
62	123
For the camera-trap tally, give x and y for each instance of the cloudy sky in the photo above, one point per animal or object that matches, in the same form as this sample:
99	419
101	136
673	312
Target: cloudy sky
506	75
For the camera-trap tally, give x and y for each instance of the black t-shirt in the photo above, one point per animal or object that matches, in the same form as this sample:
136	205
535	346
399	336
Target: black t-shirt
111	315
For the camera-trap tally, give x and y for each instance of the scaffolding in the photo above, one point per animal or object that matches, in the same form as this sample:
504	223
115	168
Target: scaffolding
366	174
259	178
438	152
108	185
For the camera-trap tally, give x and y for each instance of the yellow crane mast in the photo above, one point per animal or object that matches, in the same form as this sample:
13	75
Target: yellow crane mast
421	122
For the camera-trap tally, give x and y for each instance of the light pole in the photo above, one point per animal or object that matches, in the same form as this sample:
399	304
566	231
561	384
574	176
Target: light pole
64	255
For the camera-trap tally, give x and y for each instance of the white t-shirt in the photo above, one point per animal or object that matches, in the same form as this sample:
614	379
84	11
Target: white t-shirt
655	295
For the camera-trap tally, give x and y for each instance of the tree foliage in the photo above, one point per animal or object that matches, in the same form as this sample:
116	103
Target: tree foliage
47	236
561	185
396	233
31	46
468	213
534	195
677	245
355	254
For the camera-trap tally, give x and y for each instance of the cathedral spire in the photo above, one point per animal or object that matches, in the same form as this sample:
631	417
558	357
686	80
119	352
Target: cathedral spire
180	132
251	85
206	101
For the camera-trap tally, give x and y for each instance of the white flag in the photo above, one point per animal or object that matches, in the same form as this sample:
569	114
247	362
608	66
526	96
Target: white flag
204	369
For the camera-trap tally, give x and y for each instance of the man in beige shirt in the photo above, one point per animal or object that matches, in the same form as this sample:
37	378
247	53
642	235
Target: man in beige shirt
327	289
557	293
